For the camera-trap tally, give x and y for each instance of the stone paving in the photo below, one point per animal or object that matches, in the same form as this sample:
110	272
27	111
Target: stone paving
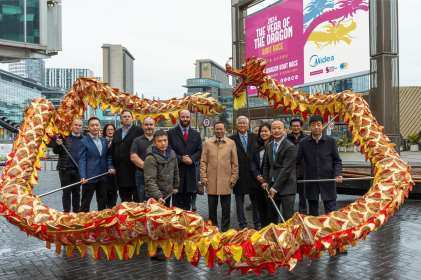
394	252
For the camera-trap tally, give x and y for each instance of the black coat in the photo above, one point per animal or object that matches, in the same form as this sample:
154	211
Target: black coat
296	141
246	180
73	145
192	148
321	161
256	165
120	151
281	168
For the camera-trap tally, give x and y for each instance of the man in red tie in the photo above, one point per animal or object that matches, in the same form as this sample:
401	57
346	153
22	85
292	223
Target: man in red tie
187	144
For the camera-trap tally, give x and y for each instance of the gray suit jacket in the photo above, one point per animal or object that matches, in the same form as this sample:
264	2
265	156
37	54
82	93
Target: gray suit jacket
280	171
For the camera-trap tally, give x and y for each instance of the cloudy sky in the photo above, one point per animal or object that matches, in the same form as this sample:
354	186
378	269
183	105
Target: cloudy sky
166	37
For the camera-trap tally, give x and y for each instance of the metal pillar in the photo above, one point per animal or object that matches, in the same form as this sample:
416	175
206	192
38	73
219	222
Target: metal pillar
384	64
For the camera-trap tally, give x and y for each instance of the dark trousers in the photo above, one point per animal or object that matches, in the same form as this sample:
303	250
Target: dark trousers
100	188
313	206
193	201
111	194
285	203
255	211
302	202
71	196
128	194
226	209
140	185
183	200
261	203
239	206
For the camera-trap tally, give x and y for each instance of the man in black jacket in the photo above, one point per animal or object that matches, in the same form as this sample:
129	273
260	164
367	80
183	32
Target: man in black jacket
246	184
295	137
187	144
120	151
321	160
67	168
279	171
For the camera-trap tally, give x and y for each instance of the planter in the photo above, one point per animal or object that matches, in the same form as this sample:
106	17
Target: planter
414	148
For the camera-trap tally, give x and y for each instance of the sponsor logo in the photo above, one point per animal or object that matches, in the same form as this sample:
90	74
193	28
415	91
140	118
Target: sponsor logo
317	72
316	60
331	69
344	66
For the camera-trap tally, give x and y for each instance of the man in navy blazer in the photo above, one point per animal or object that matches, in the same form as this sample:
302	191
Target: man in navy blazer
94	160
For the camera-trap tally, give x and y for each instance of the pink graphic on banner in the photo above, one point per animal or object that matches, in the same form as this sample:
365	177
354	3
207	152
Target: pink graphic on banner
276	34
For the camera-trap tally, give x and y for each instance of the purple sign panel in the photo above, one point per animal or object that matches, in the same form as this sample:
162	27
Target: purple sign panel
275	34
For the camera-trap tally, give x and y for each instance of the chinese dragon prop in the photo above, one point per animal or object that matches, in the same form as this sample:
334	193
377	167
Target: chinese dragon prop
120	232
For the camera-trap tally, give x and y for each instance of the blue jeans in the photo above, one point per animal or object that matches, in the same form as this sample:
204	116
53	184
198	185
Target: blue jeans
140	185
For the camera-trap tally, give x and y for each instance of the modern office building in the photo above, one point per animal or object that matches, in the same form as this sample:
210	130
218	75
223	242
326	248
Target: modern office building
29	29
33	69
16	94
210	77
65	77
55	95
118	67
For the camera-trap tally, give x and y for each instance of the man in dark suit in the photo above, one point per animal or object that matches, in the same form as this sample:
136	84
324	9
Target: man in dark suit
120	151
187	144
295	137
279	172
246	184
68	166
94	160
321	160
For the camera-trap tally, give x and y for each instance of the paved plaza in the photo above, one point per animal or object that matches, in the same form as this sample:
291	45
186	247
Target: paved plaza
393	252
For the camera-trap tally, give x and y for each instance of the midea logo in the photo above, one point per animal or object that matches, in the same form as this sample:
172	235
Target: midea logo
316	60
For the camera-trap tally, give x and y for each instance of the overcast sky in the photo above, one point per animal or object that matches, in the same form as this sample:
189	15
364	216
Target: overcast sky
166	37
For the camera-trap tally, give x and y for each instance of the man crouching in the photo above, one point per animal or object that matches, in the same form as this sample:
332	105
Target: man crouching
161	169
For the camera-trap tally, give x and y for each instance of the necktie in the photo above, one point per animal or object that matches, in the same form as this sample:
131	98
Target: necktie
98	144
244	142
275	149
185	134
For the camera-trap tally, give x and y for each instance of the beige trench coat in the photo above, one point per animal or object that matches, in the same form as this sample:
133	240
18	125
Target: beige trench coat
219	166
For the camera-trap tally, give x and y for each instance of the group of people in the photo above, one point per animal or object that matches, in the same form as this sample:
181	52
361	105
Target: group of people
266	166
142	163
136	163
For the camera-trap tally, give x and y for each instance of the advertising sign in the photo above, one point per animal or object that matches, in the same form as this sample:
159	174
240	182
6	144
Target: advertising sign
307	41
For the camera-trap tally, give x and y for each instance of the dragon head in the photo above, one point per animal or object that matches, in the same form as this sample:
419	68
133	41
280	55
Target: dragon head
250	74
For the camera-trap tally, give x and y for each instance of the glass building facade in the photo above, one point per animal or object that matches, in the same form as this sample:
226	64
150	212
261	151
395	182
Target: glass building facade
33	69
16	94
20	21
64	78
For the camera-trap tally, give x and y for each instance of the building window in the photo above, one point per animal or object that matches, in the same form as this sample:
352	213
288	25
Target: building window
15	20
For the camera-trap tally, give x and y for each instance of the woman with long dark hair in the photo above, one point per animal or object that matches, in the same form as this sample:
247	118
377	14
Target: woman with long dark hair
111	197
261	200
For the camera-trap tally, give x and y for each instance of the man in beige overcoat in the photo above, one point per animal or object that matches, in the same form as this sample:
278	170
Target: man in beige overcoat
219	173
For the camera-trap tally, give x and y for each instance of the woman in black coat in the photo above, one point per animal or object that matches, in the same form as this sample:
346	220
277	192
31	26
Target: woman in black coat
260	196
111	199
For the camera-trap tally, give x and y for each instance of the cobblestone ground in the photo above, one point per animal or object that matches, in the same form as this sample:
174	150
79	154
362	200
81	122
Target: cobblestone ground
394	252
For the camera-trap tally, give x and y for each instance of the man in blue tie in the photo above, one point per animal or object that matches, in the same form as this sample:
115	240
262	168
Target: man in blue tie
279	172
94	160
247	184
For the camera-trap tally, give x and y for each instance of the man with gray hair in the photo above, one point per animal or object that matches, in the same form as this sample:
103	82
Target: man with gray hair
245	142
138	154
